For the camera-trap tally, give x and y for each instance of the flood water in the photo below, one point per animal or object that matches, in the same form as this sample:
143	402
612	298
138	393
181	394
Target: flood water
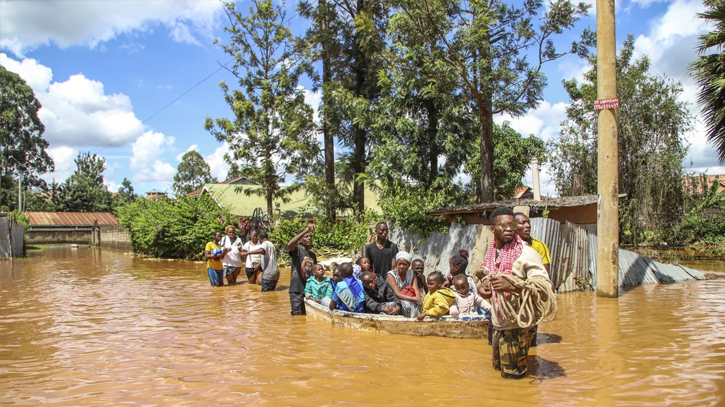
91	327
689	257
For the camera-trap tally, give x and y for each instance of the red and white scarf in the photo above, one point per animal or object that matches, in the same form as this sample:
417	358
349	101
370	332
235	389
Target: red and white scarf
505	261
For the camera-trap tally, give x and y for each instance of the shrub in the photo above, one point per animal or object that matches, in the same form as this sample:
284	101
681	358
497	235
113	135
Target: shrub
173	228
697	228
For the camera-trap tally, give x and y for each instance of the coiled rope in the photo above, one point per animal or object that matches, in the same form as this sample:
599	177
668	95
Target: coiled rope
538	302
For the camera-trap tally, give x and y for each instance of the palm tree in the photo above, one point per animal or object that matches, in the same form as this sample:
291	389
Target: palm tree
709	72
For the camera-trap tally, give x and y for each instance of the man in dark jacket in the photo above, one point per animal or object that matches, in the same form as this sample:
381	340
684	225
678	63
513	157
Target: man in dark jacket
379	297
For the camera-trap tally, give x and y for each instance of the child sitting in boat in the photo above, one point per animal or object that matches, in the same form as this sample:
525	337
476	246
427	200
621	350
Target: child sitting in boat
379	297
439	299
467	301
364	264
458	265
349	294
319	289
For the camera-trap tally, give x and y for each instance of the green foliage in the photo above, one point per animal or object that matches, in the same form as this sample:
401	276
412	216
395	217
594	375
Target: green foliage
512	157
651	127
408	207
699	229
337	237
125	194
84	191
173	228
20	217
22	147
270	134
709	72
192	173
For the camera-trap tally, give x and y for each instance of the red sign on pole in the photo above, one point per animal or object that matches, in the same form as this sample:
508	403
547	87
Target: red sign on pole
603	104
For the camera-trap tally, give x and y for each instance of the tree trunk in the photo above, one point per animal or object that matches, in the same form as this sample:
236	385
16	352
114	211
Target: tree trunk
329	139
360	134
487	194
433	151
270	204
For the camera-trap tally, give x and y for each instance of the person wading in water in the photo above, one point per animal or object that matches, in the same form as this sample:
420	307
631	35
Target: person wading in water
300	269
381	252
508	259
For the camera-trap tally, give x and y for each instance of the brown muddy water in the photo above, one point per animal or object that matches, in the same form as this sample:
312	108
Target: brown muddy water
90	327
689	257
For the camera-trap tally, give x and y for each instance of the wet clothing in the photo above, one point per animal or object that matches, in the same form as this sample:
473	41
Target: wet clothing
297	302
212	263
381	259
410	308
297	280
469	303
510	349
438	303
252	258
383	294
231	259
268	285
541	248
270	268
319	289
215	276
349	295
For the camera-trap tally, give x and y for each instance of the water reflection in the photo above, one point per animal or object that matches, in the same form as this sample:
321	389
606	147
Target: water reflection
97	327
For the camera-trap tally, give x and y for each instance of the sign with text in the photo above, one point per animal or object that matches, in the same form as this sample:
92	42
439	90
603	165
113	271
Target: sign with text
602	104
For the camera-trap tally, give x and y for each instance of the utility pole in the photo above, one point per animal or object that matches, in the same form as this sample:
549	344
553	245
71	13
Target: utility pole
608	160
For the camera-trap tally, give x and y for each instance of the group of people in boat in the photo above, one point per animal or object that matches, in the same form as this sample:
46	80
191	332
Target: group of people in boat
388	281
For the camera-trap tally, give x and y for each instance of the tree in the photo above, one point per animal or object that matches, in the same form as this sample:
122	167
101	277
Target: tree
84	191
651	125
271	132
22	147
125	194
485	42
709	72
192	173
512	157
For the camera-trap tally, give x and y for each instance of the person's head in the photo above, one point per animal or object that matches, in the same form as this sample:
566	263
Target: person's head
461	283
231	231
368	280
263	235
418	266
503	225
336	274
435	281
254	236
217	236
364	263
459	263
318	271
381	231
306	240
403	261
523	225
345	270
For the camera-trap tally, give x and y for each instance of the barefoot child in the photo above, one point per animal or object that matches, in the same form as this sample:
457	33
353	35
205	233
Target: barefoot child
379	297
467	300
319	289
439	299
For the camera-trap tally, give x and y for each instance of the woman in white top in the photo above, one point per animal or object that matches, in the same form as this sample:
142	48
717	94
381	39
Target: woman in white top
252	260
232	262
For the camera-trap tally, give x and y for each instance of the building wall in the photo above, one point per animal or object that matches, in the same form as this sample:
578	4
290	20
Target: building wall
580	215
115	236
58	236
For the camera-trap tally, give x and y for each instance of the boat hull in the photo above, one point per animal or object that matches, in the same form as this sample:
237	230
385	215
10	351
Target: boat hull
447	326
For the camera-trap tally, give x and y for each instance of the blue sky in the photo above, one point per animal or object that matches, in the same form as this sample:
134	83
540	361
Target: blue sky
101	68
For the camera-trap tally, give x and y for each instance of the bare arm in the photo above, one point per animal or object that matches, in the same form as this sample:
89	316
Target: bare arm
292	243
391	282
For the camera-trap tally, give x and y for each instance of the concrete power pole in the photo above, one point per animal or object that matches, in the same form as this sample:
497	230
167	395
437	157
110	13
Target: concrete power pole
608	160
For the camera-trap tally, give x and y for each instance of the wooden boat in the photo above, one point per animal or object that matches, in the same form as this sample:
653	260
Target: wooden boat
447	326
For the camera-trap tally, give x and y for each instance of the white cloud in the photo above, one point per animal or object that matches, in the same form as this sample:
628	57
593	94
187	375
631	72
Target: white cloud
192	147
25	25
543	122
218	166
63	157
158	172
148	147
77	112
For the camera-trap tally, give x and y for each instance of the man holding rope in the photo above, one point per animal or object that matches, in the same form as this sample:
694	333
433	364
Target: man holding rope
520	292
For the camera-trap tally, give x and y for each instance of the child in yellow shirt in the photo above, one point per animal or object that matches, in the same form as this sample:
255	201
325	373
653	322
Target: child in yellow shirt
439	299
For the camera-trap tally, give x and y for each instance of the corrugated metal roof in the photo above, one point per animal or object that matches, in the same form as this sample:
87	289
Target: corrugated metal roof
635	269
696	274
669	273
549	232
71	218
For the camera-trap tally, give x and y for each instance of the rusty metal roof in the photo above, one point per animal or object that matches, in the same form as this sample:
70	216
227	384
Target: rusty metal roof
71	218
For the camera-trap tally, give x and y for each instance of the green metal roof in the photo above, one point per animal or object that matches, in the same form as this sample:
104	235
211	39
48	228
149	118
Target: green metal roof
235	199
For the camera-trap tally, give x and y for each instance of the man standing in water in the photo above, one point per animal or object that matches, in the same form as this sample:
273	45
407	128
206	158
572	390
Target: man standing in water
300	272
508	255
524	230
381	252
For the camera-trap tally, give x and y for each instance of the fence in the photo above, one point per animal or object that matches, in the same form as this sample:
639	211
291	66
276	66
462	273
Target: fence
11	238
114	236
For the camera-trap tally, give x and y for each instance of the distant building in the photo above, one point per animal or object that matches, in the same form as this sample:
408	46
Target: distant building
711	179
155	194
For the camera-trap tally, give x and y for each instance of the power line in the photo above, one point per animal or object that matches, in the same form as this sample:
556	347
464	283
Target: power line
164	108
